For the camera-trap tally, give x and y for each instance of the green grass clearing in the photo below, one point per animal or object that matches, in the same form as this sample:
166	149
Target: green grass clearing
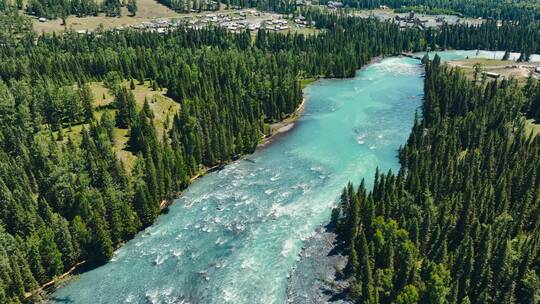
507	69
147	10
306	81
164	109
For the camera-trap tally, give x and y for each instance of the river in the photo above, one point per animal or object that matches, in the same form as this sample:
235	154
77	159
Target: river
234	235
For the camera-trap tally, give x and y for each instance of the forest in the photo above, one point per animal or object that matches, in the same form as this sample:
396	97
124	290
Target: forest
506	36
53	9
68	199
460	221
285	7
488	9
521	10
185	6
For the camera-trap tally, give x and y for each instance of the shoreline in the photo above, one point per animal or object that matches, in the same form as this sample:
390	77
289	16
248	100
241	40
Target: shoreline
322	281
277	129
286	124
165	203
289	122
320	248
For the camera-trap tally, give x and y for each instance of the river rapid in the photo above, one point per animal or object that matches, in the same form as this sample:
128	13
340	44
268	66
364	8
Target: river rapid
235	235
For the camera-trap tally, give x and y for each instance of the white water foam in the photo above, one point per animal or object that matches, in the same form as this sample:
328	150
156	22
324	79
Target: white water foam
288	246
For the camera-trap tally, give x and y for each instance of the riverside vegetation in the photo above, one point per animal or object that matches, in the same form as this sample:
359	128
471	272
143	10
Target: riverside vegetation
71	199
460	221
66	199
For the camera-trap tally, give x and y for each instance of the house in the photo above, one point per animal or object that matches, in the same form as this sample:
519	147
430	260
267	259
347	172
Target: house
301	20
252	26
491	75
335	4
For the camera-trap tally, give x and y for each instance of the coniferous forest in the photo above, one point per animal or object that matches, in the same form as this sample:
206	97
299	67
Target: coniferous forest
468	169
67	200
459	223
490	9
62	8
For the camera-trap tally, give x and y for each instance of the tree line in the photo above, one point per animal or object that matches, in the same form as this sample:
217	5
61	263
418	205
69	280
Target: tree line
54	9
509	36
489	9
186	6
284	7
520	37
459	222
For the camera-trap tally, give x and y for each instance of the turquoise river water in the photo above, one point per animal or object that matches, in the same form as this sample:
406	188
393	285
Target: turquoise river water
235	234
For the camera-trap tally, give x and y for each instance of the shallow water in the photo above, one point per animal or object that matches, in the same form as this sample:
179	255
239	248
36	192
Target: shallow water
234	235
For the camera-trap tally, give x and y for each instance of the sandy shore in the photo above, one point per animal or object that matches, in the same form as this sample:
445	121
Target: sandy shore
286	124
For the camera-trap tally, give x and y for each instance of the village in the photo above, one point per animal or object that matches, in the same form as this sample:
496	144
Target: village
233	21
237	20
412	19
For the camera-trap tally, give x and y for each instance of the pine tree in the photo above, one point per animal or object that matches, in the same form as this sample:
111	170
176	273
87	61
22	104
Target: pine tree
87	98
51	258
126	108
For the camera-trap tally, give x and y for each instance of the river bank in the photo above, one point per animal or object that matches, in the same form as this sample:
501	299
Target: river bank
286	124
319	254
276	129
234	236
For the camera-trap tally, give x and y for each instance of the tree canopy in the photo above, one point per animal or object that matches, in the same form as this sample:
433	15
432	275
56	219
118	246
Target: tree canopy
459	222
